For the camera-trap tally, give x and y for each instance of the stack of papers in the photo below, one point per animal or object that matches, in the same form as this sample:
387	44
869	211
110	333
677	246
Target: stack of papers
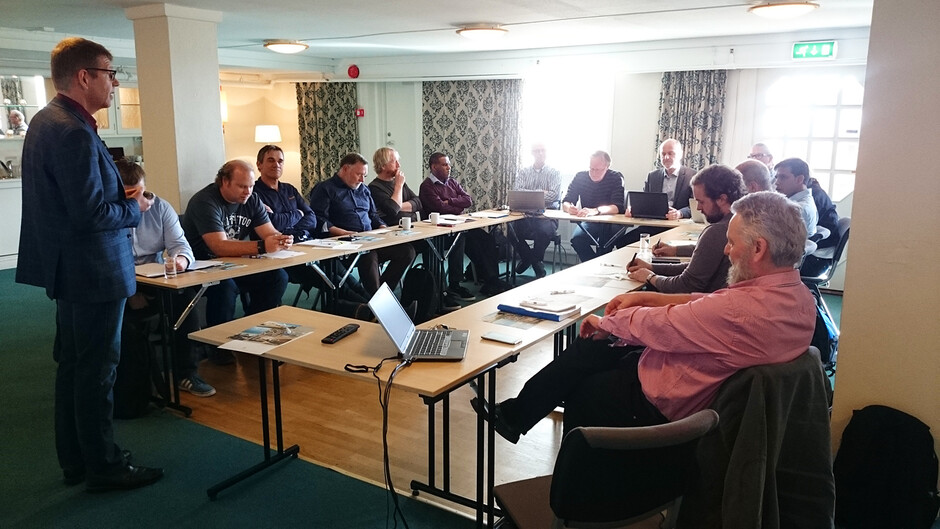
543	308
156	269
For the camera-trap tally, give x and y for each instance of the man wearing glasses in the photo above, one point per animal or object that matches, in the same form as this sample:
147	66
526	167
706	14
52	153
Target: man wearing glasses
761	153
76	243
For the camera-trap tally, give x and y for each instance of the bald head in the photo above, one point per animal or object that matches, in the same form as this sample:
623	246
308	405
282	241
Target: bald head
756	176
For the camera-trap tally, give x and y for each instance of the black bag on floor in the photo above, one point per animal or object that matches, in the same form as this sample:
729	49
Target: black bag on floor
132	386
886	472
421	286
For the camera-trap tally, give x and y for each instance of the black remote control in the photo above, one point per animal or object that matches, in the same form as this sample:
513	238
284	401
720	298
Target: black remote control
340	333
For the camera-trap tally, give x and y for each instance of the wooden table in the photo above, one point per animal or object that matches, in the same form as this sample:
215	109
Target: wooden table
432	381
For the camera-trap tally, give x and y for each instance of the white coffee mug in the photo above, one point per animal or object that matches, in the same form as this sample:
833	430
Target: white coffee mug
405	223
435	218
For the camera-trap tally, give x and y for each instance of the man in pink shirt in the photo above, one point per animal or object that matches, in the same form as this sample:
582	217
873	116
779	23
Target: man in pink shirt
688	343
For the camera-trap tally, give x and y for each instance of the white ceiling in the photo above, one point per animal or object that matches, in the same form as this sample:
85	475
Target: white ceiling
379	28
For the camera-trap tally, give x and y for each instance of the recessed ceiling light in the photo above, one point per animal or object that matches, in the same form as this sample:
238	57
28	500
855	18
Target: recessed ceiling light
783	10
285	46
482	31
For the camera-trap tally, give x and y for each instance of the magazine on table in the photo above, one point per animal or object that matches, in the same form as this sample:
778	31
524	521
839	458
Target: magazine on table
264	337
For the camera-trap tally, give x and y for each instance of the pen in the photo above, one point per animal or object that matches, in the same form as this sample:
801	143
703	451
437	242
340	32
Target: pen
632	261
659	240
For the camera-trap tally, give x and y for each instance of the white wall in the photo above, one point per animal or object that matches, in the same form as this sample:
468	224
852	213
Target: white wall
274	104
890	337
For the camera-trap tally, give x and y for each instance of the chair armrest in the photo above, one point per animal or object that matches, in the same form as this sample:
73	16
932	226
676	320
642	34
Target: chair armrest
669	434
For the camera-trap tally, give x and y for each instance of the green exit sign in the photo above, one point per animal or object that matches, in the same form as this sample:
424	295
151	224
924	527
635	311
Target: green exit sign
811	51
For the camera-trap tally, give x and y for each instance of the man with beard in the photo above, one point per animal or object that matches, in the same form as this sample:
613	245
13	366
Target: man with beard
654	357
715	188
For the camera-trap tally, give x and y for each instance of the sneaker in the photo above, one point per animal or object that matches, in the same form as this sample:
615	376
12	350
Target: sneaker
460	292
521	267
196	386
450	304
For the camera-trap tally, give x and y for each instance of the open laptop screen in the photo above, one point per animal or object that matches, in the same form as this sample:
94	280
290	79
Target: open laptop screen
392	316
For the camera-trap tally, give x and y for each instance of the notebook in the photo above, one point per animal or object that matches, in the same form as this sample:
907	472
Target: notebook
416	344
527	201
647	205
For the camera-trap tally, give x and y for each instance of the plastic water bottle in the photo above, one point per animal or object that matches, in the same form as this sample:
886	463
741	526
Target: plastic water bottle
169	264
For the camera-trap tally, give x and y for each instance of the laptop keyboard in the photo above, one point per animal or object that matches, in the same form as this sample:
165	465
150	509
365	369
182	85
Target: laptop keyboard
431	343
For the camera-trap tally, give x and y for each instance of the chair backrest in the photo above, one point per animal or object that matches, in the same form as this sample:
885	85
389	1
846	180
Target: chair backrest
769	462
833	260
616	474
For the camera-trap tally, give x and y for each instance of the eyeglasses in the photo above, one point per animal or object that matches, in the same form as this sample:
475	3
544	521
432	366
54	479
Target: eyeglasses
758	155
111	73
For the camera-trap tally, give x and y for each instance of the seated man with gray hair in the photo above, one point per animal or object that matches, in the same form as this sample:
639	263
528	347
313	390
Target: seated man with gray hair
654	358
756	176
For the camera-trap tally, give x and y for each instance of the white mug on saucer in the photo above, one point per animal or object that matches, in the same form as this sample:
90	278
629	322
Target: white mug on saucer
435	218
405	223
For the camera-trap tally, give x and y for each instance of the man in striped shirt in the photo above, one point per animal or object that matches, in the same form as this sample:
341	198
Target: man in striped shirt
536	177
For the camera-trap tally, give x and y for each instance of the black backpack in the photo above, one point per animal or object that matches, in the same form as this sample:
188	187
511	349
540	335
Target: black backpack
886	472
421	286
826	339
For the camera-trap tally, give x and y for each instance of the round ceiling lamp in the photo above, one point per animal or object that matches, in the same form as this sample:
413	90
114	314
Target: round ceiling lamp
285	46
783	10
482	31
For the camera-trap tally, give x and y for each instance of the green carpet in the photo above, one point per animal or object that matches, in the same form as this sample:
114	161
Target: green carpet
292	494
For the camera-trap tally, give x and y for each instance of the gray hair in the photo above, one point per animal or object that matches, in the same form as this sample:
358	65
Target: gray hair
757	172
771	216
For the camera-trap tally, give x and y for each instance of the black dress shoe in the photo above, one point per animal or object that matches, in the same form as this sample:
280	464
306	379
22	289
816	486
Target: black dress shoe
125	478
539	268
503	428
74	476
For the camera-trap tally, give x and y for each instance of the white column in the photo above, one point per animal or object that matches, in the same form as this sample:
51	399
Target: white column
178	72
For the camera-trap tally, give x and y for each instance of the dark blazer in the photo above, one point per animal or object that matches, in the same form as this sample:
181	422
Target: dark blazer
654	184
74	237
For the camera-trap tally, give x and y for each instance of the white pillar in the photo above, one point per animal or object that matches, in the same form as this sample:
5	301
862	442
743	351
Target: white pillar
178	72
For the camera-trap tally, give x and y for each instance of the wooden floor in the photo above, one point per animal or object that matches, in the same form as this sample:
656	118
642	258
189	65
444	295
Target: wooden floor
337	422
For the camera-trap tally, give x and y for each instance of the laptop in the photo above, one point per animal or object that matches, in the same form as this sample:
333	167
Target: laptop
647	205
416	344
527	201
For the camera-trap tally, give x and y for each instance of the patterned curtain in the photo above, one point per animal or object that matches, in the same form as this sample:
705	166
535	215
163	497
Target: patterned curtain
690	110
475	123
328	129
11	88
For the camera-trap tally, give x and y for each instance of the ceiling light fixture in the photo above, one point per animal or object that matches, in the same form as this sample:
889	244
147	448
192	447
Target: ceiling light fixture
783	10
482	31
285	46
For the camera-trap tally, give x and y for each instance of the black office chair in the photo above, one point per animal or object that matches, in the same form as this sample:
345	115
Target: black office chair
609	477
817	269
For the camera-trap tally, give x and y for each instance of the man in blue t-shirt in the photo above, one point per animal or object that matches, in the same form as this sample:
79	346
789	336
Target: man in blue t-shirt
218	222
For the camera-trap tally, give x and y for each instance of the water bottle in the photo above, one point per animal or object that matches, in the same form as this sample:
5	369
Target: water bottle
169	264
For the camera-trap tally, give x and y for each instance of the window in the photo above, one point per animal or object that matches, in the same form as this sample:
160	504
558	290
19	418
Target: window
816	118
570	114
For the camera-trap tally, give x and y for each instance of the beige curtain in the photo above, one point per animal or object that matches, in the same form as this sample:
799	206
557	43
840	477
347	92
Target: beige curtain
690	110
475	123
328	129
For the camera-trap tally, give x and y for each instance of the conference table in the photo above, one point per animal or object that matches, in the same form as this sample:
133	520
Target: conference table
299	254
592	284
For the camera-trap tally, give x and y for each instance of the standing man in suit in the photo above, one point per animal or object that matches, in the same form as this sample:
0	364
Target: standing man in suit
76	243
672	179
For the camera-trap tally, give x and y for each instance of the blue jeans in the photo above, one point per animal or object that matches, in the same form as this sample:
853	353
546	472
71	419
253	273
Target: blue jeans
582	243
263	291
87	348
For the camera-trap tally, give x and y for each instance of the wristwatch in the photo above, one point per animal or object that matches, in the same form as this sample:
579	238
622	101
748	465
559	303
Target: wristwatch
261	248
649	280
